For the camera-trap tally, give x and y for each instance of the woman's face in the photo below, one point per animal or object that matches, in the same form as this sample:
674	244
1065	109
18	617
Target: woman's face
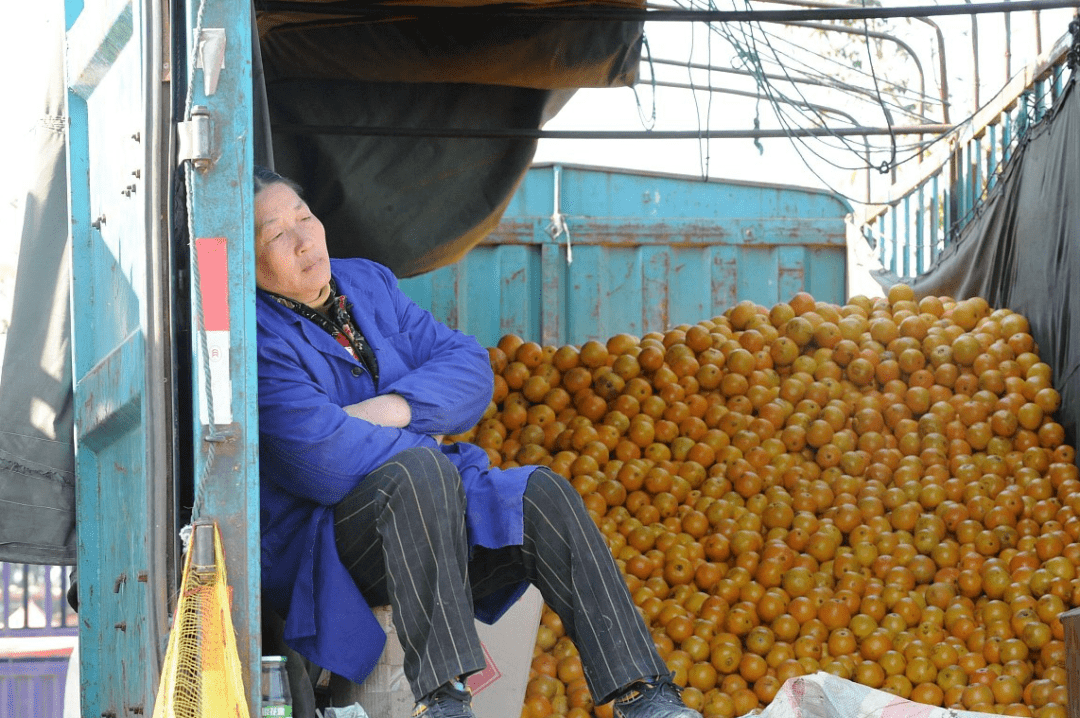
291	258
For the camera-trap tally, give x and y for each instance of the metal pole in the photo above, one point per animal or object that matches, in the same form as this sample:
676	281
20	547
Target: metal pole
529	133
598	14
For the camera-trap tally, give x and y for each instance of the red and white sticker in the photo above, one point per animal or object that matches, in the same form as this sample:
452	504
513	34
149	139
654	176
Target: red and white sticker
482	679
213	258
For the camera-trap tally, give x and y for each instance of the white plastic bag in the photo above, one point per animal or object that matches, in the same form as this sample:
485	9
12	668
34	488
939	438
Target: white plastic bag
823	695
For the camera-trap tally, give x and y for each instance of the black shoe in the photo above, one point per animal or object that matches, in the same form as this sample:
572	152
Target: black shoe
450	700
658	699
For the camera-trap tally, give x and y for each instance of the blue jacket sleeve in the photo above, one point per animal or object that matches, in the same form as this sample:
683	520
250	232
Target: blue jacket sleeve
451	383
310	447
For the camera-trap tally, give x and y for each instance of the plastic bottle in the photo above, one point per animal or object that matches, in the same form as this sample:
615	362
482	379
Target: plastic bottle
276	697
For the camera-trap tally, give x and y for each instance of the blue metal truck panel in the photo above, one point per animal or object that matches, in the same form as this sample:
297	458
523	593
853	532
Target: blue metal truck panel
641	252
124	301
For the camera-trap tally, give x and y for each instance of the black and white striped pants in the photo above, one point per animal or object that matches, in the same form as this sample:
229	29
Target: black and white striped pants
401	534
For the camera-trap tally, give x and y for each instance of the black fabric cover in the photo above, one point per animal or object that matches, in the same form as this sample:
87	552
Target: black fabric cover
37	451
453	48
413	204
1022	250
417	204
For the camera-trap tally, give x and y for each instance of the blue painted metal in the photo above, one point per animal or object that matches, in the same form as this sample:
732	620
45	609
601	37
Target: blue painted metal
992	157
109	324
892	260
37	634
118	176
223	206
648	251
920	233
935	218
977	171
32	686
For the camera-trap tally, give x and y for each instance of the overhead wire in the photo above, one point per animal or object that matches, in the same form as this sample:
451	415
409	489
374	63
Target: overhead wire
808	77
775	96
877	88
651	123
783	105
748	54
778	39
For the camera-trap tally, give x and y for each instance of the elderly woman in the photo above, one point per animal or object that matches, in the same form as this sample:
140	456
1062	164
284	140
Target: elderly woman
363	505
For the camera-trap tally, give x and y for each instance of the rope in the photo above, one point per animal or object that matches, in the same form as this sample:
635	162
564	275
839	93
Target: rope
189	181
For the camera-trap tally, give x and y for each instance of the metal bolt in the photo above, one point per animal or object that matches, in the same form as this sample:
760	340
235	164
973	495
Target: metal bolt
122	626
143	576
136	173
96	224
137	137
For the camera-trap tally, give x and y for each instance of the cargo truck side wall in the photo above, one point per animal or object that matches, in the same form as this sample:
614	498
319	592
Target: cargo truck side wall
586	253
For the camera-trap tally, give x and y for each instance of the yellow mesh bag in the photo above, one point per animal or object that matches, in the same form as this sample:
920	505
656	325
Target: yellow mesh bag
201	675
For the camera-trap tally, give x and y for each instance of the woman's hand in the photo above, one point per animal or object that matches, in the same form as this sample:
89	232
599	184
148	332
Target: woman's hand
384	410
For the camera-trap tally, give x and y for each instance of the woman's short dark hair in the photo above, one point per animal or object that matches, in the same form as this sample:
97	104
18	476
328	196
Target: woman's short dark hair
264	177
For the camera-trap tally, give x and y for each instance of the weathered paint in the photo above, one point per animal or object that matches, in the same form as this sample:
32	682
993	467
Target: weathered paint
224	208
648	252
123	357
109	345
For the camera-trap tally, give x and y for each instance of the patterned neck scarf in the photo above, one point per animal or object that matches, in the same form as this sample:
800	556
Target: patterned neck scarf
338	323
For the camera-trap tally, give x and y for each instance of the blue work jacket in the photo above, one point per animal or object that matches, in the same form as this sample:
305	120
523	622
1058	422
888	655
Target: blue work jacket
312	453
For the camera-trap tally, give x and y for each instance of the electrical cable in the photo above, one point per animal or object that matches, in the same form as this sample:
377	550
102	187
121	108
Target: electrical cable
788	120
771	93
637	99
888	119
817	55
815	79
753	57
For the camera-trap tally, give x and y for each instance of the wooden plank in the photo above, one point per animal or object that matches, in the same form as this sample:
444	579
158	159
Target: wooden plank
1070	620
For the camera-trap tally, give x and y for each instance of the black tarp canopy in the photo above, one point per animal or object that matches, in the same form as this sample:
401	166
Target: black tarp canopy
418	203
1022	249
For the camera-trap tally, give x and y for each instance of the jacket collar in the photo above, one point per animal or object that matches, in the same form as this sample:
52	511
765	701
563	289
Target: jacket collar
314	335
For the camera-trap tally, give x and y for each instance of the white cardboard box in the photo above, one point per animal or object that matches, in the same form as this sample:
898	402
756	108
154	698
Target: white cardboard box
498	690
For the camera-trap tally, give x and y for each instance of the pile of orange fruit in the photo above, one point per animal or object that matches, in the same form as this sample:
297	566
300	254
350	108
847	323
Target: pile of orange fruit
878	490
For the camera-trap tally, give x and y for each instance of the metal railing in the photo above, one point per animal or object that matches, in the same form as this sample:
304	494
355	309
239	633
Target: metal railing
33	601
926	212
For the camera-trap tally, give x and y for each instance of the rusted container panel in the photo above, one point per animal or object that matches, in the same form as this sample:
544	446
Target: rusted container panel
639	253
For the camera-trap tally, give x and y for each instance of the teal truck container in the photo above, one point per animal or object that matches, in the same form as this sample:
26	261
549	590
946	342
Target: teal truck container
586	253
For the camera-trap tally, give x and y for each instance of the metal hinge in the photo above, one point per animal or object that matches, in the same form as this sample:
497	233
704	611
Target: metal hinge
194	139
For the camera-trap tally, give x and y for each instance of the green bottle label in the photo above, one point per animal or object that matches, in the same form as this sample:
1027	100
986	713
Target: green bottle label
279	711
